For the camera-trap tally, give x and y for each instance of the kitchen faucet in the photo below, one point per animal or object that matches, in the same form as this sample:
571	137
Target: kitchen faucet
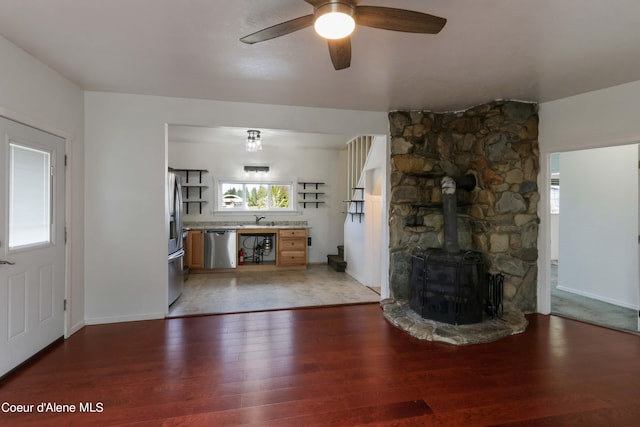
258	218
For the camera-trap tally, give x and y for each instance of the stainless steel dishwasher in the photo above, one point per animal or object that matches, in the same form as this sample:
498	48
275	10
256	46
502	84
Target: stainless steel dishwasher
219	249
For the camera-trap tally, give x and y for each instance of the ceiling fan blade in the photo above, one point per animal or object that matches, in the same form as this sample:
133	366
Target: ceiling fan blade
340	51
408	21
279	30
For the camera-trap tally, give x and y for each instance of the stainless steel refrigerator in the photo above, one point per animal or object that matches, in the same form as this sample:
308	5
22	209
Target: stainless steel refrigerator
176	250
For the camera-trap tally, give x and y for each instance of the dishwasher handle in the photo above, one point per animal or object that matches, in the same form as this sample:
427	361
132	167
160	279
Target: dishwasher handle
219	232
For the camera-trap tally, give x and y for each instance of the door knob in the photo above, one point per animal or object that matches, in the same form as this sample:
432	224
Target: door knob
6	262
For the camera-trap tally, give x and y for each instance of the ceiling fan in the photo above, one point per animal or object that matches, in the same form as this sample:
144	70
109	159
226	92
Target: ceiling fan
335	20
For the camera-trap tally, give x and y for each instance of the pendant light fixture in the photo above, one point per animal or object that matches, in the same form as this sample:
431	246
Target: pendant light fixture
253	143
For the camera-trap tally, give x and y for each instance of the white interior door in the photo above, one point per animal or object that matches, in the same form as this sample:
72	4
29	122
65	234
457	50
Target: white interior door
32	242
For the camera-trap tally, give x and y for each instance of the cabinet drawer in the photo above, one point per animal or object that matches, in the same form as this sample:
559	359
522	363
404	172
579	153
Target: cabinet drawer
293	233
292	244
292	258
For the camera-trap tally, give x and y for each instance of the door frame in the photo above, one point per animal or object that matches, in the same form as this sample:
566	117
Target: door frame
37	124
544	231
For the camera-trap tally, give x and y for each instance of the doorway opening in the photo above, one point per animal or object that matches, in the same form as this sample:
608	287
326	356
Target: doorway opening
594	235
292	157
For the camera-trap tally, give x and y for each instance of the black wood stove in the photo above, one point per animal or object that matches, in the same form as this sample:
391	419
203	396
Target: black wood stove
449	285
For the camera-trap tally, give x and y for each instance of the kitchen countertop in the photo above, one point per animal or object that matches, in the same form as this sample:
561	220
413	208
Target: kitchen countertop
244	225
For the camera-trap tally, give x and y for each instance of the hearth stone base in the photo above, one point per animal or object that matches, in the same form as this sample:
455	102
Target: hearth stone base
399	314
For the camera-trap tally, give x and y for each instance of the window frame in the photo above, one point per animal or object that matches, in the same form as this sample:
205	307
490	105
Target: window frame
243	208
50	196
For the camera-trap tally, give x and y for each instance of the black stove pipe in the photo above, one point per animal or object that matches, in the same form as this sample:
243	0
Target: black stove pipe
467	182
450	209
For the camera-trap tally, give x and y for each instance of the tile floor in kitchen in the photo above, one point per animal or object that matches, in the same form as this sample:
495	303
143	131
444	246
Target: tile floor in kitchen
318	285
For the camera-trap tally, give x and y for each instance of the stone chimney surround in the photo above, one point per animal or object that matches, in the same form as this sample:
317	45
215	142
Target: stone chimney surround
498	143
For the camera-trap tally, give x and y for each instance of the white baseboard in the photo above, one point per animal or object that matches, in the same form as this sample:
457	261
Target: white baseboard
119	319
75	328
598	297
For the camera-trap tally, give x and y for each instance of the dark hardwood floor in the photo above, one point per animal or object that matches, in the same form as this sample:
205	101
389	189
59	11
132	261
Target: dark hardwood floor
329	366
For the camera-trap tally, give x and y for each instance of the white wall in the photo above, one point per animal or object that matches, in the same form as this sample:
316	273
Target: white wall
126	160
368	267
33	93
601	118
599	224
554	230
291	163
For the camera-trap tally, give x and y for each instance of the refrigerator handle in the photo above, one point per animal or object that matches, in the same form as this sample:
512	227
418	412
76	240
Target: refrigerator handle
178	210
176	255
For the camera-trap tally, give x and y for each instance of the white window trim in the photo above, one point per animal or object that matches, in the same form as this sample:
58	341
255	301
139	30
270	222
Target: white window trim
218	209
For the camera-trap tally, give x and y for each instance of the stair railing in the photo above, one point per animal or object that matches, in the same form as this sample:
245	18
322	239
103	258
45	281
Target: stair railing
357	152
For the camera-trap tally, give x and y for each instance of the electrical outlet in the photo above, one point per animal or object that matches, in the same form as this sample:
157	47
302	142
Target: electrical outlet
308	241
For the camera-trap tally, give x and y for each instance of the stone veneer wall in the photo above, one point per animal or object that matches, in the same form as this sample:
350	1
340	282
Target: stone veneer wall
497	142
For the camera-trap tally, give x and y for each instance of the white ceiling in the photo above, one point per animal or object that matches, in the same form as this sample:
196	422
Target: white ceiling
534	50
271	137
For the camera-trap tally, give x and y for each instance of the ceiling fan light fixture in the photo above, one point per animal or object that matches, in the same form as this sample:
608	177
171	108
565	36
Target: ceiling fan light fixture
334	20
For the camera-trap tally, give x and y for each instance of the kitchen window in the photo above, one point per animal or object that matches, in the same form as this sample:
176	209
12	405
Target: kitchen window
255	196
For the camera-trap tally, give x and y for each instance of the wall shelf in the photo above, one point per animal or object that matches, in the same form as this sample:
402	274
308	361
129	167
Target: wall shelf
191	175
356	205
199	189
424	174
311	197
438	206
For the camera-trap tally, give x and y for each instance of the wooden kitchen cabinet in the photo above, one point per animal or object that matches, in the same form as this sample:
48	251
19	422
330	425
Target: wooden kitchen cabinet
195	249
292	247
